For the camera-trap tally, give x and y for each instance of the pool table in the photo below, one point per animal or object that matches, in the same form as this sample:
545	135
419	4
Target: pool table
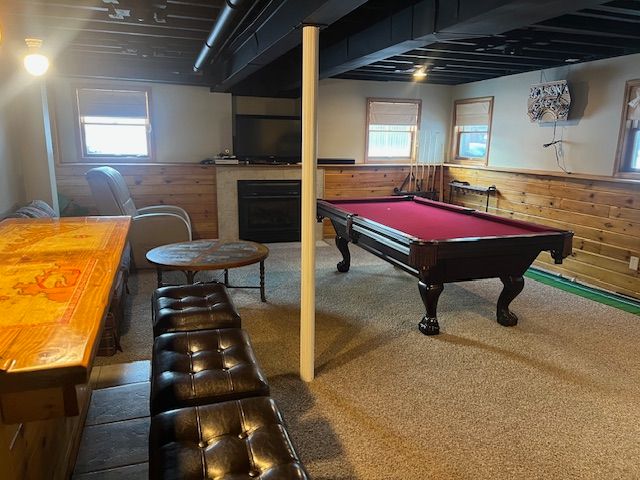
441	243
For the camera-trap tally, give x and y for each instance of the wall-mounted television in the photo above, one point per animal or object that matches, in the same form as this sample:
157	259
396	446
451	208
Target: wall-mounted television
268	138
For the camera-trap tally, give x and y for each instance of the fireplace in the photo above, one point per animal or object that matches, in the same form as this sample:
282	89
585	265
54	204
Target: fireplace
269	210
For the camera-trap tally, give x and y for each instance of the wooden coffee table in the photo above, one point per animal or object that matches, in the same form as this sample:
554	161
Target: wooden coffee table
197	255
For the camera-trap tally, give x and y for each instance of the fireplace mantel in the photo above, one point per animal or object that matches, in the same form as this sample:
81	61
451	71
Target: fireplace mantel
227	177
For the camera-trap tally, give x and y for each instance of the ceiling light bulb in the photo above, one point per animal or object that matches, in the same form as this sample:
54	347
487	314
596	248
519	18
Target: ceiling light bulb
420	73
34	62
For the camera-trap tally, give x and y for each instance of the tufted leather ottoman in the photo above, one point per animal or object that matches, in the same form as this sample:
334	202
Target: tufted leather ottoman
192	307
206	366
236	439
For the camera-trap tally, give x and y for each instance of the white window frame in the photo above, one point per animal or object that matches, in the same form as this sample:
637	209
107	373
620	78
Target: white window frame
413	131
629	134
110	158
458	130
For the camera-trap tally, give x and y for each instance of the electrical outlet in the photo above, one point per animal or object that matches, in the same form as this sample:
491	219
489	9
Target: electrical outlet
633	263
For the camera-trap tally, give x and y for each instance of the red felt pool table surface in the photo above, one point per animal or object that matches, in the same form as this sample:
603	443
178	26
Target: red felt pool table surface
425	220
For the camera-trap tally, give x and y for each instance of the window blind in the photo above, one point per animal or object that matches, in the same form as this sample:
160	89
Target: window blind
392	113
474	113
111	103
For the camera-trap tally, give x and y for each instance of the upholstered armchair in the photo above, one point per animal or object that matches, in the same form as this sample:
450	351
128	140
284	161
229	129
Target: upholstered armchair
151	226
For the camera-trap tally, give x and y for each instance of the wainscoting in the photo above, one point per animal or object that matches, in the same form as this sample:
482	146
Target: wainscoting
192	187
360	182
604	215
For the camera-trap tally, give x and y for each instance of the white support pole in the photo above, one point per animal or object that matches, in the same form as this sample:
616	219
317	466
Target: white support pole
310	35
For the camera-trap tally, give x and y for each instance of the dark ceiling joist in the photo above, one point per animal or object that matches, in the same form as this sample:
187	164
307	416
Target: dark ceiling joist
278	34
607	36
438	80
397	65
175	28
549	34
429	21
488	55
102	9
468	59
583	25
129	68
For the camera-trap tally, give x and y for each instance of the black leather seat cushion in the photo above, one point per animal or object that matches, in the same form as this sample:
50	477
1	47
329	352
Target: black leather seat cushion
237	439
193	307
206	366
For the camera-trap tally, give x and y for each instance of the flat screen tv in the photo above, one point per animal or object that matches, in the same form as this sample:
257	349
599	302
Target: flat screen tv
268	138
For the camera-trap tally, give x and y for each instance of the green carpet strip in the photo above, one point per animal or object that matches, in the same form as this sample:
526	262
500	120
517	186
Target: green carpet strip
611	299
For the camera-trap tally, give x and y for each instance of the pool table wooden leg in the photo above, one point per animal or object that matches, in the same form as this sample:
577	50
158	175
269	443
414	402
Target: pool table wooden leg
343	246
513	285
430	294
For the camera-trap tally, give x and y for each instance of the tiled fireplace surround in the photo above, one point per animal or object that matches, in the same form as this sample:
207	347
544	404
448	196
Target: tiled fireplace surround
227	177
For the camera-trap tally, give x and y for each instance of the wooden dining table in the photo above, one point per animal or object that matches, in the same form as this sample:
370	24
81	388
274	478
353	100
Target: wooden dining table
56	283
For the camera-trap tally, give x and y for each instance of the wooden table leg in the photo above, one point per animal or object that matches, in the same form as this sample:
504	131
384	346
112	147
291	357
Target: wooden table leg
262	294
159	275
190	276
226	277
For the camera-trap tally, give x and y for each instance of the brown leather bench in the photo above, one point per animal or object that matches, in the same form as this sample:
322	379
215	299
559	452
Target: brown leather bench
233	439
192	307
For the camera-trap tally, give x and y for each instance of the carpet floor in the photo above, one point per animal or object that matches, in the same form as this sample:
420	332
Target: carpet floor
554	397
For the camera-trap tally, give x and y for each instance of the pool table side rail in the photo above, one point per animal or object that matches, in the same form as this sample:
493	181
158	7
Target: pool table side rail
423	254
403	198
447	206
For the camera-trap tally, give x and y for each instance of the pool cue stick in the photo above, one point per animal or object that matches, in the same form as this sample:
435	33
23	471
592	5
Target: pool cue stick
428	159
422	161
434	160
414	162
441	194
411	167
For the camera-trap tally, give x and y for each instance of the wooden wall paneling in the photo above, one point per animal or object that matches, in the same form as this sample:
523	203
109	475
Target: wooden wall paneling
192	187
43	449
604	215
360	182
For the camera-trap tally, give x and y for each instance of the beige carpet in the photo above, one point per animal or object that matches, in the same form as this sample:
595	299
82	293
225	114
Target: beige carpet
557	396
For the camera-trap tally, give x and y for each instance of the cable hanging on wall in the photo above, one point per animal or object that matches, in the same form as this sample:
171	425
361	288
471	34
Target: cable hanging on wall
557	146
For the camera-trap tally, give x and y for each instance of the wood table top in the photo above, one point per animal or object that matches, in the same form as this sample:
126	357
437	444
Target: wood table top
207	254
56	280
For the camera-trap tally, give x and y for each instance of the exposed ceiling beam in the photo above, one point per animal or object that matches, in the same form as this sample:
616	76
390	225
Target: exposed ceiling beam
575	38
606	36
584	25
429	21
486	54
96	22
277	35
130	68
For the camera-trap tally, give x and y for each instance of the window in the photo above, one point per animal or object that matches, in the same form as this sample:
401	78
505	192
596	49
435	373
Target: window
114	124
471	130
391	129
628	154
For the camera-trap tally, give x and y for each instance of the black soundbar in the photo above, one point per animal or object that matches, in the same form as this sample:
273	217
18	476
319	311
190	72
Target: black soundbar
336	161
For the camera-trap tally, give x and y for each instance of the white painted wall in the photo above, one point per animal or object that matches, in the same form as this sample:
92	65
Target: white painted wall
32	130
342	113
11	182
26	152
591	133
189	123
